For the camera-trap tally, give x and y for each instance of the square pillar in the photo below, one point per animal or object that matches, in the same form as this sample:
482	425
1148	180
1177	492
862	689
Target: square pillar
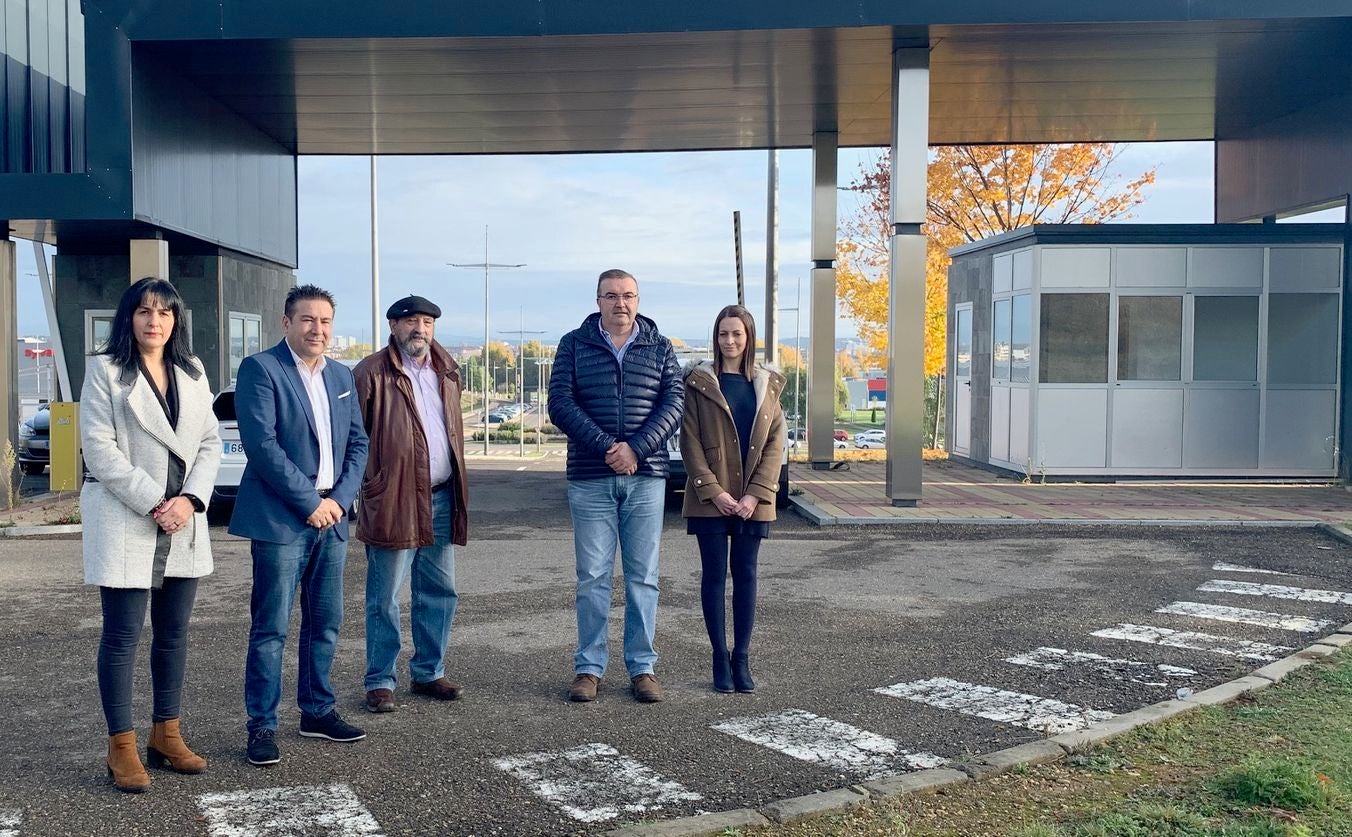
9	338
149	257
821	360
906	278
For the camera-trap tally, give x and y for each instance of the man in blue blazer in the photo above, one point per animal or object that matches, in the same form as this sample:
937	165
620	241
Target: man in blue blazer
306	444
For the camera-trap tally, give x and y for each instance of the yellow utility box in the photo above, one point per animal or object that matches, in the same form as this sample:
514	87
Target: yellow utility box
65	430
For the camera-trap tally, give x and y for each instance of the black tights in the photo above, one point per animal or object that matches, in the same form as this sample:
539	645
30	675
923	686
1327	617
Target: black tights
124	611
714	555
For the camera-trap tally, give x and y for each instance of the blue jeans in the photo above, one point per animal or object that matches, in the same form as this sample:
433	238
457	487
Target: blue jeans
624	512
433	602
313	563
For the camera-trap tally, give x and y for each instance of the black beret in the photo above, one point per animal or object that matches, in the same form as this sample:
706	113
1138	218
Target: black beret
410	305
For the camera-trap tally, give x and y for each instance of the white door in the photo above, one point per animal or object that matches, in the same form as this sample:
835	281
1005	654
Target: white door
962	381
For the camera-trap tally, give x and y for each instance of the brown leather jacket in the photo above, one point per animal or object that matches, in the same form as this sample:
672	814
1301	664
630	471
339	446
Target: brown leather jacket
712	454
396	495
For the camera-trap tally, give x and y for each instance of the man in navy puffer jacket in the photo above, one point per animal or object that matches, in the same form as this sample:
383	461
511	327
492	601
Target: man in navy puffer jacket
616	392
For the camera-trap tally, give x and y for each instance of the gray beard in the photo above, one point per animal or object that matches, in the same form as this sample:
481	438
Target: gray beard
406	346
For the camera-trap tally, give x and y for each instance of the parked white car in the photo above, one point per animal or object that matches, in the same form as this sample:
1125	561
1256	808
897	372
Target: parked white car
233	459
871	439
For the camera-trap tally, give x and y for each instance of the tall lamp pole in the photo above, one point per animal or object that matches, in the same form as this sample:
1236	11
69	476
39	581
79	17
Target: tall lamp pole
540	363
521	378
798	348
485	265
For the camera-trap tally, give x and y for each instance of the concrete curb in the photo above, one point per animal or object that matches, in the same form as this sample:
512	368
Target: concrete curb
1337	531
985	766
35	531
815	515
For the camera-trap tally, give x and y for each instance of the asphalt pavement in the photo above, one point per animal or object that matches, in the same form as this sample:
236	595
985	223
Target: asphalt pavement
843	612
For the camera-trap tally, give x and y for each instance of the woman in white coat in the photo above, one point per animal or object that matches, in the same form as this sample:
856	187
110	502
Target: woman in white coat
152	449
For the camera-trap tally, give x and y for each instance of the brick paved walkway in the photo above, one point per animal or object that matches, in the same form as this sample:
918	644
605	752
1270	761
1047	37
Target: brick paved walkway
958	493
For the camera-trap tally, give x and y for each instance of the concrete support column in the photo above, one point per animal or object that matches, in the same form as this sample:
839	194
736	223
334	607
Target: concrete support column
1344	462
9	337
770	329
149	257
821	366
906	279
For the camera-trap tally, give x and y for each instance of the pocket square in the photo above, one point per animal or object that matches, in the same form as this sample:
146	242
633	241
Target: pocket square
346	394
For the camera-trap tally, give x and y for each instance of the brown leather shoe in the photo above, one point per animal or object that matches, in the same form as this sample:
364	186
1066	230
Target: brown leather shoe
166	747
124	763
646	689
441	689
380	700
584	687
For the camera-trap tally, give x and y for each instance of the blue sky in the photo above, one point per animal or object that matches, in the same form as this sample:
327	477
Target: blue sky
666	218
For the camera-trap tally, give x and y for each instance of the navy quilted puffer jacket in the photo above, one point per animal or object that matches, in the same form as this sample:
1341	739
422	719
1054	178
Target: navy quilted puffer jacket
596	403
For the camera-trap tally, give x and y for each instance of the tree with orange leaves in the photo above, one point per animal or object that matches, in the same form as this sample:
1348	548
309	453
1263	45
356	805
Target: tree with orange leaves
974	192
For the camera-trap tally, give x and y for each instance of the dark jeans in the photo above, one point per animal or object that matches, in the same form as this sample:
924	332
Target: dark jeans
313	566
124	611
714	554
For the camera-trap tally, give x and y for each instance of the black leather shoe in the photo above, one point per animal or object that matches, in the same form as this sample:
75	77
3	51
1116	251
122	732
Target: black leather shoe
331	726
263	747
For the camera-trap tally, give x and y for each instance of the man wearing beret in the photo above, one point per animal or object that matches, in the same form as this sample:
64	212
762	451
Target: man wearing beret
413	500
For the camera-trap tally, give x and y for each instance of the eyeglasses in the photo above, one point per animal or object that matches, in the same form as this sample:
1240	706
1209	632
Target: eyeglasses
618	297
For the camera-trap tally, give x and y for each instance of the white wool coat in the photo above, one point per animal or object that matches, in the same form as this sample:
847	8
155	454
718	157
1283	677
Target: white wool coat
127	440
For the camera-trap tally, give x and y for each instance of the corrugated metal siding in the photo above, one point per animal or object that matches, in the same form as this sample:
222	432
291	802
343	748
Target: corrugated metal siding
42	87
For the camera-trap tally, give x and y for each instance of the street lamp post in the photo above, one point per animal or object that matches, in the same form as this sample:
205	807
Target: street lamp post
485	264
798	348
540	363
521	378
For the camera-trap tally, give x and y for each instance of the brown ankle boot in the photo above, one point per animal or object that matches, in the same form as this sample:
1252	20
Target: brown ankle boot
166	747
124	763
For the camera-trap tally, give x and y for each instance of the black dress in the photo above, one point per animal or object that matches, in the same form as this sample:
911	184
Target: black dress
177	468
741	397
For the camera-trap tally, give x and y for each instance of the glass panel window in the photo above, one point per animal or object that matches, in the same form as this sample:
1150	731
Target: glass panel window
1000	341
1021	346
963	361
1302	339
1225	338
1073	346
246	332
103	329
1149	338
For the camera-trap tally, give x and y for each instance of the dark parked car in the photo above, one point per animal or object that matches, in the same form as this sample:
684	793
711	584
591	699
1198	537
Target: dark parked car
35	442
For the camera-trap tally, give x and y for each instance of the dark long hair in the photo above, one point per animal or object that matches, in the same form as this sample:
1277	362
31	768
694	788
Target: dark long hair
748	364
121	345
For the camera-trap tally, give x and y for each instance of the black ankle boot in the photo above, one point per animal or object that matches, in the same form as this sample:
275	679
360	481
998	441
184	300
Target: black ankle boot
722	672
741	674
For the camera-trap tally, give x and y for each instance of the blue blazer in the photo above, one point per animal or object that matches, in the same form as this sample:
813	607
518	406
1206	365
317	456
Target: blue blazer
276	424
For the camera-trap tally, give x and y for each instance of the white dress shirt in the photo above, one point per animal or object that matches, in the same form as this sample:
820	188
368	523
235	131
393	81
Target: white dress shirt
313	379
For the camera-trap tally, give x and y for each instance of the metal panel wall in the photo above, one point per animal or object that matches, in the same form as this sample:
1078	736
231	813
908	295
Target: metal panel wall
200	169
41	60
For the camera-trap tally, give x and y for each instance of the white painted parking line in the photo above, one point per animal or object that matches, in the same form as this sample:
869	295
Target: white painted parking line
1057	659
1194	641
594	783
809	738
1245	616
329	810
1037	713
10	822
1277	591
1224	567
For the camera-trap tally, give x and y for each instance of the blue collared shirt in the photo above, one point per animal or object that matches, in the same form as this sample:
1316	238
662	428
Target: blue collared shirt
619	353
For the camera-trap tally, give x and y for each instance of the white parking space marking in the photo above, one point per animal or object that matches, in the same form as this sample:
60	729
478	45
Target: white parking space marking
1277	591
1058	659
329	810
816	740
1030	711
594	783
1223	567
1244	615
10	822
1194	641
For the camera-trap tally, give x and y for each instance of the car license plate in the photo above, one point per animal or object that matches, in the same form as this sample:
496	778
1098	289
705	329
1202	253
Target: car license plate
234	448
37	444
